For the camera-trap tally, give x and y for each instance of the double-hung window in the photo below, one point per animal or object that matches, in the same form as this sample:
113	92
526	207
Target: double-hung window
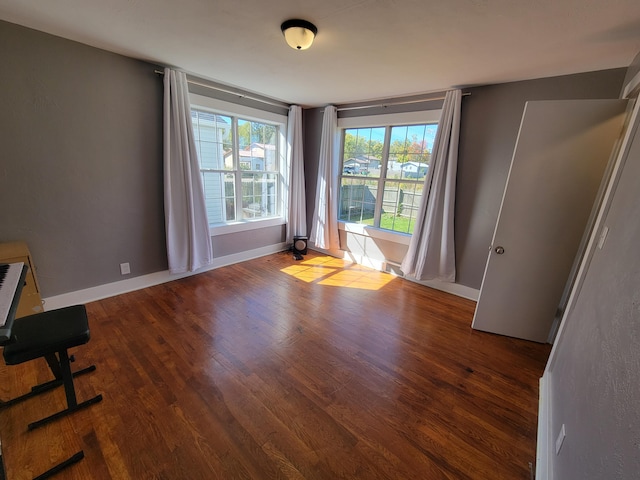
384	161
241	153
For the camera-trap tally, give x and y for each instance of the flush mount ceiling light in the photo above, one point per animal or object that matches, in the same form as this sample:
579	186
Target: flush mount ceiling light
299	34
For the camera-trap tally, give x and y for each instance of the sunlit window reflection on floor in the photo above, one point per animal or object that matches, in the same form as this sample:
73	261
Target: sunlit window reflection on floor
338	273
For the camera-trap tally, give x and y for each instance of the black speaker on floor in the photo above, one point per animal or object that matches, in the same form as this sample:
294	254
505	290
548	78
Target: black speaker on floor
300	245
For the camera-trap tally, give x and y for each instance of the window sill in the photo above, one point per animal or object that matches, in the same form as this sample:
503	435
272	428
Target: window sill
245	226
373	232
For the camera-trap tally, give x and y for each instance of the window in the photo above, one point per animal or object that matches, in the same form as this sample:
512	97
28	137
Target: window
240	162
382	171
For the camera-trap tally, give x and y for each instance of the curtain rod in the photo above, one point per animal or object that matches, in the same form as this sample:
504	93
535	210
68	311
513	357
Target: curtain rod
285	105
400	102
232	92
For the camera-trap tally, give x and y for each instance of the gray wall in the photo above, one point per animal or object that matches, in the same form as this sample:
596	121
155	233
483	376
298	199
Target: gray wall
81	163
593	373
489	128
311	131
81	147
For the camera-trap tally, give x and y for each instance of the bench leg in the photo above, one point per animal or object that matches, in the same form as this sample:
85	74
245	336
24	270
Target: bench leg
69	390
61	466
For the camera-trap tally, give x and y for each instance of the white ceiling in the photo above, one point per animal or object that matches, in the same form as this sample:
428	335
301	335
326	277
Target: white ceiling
365	49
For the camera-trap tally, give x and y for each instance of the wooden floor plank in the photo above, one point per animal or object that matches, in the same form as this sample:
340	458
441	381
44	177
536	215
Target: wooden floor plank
278	369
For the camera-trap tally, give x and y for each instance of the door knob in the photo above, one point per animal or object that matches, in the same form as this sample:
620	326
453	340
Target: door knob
499	250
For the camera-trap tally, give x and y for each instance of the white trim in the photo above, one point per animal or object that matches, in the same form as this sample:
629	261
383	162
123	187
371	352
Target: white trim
131	284
235	110
543	459
408	118
220	107
631	89
373	232
456	289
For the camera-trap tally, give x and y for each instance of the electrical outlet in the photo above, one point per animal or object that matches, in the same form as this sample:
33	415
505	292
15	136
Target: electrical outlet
125	269
560	439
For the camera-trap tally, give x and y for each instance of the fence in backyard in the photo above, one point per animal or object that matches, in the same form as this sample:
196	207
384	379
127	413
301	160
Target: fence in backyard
358	202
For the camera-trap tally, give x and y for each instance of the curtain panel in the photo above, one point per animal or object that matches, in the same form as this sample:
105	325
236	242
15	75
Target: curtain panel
297	205
186	225
431	254
324	228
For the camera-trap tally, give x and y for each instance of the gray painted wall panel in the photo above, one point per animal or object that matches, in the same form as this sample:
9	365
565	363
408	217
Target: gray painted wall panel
594	374
81	151
244	241
312	131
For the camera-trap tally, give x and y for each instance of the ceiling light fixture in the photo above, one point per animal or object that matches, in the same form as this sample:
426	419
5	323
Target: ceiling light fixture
299	34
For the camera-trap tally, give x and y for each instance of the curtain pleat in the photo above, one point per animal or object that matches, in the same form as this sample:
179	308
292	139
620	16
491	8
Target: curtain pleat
297	211
187	229
431	254
324	228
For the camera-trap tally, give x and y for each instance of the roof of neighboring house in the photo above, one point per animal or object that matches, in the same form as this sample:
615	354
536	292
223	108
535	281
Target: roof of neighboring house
367	158
414	164
358	160
209	118
257	150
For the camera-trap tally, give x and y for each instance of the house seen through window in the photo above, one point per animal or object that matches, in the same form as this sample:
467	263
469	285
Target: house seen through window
239	163
383	171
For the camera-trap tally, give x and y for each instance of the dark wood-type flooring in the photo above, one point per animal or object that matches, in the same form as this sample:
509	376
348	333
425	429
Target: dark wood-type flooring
277	369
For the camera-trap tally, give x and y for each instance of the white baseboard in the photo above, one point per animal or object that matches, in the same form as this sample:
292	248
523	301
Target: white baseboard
452	288
385	266
136	283
543	462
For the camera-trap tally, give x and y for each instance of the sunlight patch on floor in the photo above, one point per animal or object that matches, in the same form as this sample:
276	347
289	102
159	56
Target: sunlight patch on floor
336	272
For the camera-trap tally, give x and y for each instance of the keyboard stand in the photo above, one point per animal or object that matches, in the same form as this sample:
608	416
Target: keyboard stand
53	348
49	335
44	387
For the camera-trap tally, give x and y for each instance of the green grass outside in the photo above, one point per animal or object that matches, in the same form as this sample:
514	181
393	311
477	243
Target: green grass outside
396	223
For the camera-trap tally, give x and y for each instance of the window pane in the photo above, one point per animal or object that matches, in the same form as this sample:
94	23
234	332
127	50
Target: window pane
410	150
406	164
400	205
240	175
219	196
357	200
362	153
257	146
259	195
212	134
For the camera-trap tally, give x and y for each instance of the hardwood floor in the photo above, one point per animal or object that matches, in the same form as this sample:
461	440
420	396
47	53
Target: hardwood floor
277	369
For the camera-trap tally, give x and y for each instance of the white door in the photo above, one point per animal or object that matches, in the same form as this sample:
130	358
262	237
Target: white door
561	153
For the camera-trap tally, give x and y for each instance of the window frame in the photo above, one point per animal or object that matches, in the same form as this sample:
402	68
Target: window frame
242	112
386	121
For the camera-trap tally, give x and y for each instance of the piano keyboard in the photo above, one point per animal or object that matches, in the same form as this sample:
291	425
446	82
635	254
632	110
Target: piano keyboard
11	282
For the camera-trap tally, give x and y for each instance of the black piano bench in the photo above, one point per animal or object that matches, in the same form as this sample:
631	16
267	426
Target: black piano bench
49	335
